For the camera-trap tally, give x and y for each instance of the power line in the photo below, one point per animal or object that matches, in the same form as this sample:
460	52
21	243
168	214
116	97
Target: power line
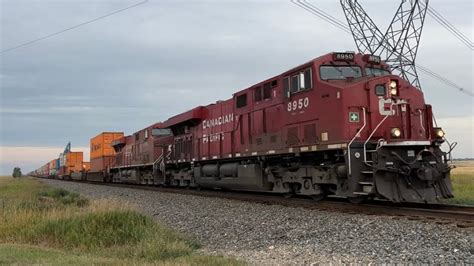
337	23
320	13
71	28
444	80
450	27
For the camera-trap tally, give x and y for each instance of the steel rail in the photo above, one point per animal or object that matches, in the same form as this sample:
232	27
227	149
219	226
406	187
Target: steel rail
460	215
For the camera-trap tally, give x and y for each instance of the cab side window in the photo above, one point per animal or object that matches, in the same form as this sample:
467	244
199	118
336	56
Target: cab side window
264	92
258	94
267	91
297	82
241	101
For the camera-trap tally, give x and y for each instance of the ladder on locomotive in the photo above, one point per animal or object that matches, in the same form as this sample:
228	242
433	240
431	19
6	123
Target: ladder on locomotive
159	168
369	154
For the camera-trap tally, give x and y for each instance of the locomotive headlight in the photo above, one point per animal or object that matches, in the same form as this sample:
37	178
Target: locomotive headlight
396	132
439	133
393	87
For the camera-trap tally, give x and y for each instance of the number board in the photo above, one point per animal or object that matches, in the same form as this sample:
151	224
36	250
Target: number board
372	59
343	56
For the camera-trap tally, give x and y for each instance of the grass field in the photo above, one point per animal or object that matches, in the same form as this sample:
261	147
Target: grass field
463	182
43	225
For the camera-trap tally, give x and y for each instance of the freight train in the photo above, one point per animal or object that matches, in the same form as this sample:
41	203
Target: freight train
340	124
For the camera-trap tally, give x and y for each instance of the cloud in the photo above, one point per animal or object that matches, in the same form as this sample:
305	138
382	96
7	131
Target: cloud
138	67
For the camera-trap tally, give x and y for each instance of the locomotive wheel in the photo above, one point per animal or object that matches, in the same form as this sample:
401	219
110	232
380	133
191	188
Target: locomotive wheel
318	197
291	190
356	200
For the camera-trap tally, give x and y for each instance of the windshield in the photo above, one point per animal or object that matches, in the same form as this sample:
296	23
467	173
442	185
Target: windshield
340	72
369	71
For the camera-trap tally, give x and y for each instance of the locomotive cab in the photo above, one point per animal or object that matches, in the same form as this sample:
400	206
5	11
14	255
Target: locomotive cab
393	148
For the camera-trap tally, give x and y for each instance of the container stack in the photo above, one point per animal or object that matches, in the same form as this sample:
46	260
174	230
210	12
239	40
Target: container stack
44	171
57	166
61	164
71	162
102	153
52	168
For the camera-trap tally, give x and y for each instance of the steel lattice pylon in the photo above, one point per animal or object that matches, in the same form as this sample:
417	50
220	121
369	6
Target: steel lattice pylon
399	45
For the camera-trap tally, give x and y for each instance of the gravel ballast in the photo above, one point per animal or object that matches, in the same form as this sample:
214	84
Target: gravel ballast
272	234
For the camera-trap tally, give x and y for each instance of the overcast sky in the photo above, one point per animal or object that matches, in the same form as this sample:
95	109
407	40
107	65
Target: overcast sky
132	69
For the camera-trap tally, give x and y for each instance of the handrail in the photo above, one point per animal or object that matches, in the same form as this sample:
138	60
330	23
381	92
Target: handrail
421	122
375	129
352	140
156	161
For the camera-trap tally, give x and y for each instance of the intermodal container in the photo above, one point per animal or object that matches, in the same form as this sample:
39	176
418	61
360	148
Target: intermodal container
52	167
101	164
101	144
73	161
61	159
62	171
46	170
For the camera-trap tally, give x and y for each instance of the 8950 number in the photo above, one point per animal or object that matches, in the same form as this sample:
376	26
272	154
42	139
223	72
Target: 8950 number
298	104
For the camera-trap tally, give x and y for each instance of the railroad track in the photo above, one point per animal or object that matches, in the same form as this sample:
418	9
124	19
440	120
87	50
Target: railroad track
460	215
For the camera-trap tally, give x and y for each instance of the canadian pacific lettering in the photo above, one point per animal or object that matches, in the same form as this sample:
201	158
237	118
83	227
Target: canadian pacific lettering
221	120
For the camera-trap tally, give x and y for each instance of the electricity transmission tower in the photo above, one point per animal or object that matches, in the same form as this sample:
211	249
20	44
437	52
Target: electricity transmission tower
399	45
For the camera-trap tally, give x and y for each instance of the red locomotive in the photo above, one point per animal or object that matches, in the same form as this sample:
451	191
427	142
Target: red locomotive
340	124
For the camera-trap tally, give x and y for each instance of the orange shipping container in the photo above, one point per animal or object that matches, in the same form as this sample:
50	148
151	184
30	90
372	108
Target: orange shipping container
74	162
100	144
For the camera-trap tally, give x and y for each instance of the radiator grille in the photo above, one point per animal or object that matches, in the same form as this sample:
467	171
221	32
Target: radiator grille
273	139
310	133
292	136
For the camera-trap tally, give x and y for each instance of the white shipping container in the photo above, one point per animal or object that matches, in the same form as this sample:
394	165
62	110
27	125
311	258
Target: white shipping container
62	159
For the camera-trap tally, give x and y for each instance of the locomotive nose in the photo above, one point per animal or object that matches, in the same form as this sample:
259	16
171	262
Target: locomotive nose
396	112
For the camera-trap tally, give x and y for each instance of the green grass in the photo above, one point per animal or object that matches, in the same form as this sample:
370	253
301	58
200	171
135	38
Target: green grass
96	230
463	187
27	254
19	189
43	225
462	177
63	196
